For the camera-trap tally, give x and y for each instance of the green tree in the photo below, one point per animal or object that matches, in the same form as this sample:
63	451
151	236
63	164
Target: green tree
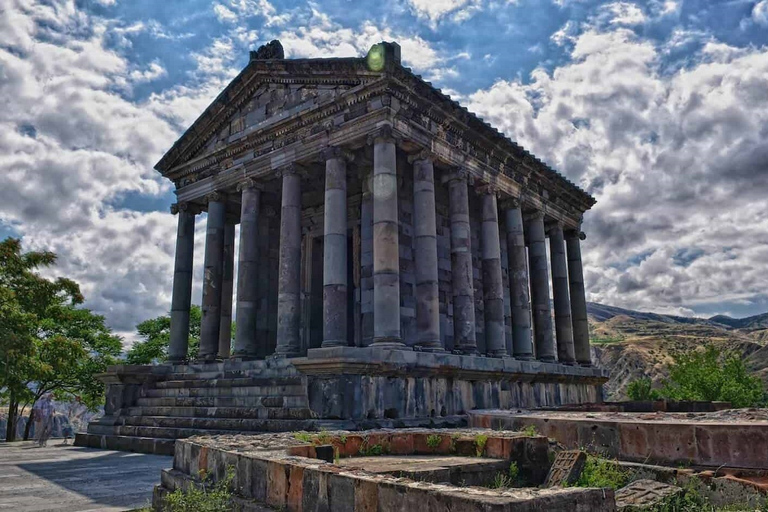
156	334
641	389
47	343
712	375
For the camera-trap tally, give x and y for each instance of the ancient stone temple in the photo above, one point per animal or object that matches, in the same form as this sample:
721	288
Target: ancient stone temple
392	266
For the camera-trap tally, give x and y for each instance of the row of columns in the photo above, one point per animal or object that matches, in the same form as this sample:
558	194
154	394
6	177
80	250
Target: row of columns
526	248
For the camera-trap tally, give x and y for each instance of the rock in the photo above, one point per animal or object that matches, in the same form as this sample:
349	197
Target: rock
566	468
644	495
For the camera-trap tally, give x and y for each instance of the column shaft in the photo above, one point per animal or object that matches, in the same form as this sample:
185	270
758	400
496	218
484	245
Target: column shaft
522	342
227	289
212	282
578	301
563	325
182	286
425	257
464	335
289	284
493	286
542	319
335	251
247	272
386	250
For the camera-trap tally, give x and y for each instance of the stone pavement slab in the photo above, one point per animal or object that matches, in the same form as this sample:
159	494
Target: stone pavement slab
644	494
72	479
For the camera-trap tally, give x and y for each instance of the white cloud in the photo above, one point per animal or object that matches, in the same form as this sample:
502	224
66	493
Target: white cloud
760	13
434	10
676	161
624	13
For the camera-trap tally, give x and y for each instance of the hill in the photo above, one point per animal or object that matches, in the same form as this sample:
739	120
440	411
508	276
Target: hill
636	344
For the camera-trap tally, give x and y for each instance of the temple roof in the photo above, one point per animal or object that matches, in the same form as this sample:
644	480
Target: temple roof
267	62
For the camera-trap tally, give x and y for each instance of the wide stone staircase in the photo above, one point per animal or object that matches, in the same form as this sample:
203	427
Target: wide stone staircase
202	399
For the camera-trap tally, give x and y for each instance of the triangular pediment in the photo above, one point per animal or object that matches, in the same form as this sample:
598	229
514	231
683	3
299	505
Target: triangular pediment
263	94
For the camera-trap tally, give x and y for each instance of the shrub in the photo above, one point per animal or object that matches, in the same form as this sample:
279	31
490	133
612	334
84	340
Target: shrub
206	497
602	473
641	389
530	431
712	375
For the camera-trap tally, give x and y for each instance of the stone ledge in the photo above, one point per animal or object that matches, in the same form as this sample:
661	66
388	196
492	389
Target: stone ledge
382	361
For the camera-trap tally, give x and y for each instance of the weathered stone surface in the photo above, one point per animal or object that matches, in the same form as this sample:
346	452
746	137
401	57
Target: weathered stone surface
566	468
645	495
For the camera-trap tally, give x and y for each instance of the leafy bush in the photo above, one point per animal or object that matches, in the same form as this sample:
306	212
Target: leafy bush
480	440
530	431
434	440
510	479
712	375
641	389
206	497
602	473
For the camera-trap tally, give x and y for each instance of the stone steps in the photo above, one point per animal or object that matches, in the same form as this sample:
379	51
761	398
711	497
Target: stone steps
240	424
230	391
182	432
288	403
209	401
151	445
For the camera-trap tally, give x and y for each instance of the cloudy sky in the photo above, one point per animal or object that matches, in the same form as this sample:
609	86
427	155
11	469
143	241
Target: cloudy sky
659	109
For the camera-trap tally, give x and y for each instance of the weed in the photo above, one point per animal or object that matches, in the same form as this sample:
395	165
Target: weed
336	455
323	437
434	440
205	497
303	436
514	471
602	473
480	440
530	431
510	479
373	450
343	438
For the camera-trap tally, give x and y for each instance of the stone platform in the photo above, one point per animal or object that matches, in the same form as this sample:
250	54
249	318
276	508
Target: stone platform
722	439
283	472
149	407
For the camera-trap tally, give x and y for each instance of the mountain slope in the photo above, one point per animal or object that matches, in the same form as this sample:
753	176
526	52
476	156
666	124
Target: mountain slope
635	344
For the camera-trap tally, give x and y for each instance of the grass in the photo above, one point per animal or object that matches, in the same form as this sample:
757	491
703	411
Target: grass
206	497
373	450
606	340
509	479
434	440
480	440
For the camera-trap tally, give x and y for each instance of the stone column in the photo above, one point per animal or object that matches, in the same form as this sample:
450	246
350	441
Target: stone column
493	286
182	283
248	271
212	282
563	325
227	289
578	299
289	280
386	250
335	250
522	342
425	255
464	336
542	319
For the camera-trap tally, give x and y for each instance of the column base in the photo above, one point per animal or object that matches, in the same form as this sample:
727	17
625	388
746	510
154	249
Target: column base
498	354
284	355
585	365
243	357
334	343
389	342
527	357
547	360
174	361
429	347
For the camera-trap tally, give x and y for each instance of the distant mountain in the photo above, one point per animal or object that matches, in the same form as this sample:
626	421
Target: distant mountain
635	344
750	322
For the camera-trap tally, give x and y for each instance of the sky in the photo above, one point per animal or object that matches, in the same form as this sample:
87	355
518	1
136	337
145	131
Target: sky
659	109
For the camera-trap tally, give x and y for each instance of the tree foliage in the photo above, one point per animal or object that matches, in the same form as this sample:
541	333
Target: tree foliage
156	334
47	342
712	375
641	389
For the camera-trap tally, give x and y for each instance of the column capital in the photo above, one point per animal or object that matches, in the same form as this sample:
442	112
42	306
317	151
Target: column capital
214	196
185	207
535	215
554	225
332	152
510	203
575	233
382	133
486	188
457	174
424	154
249	183
288	170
